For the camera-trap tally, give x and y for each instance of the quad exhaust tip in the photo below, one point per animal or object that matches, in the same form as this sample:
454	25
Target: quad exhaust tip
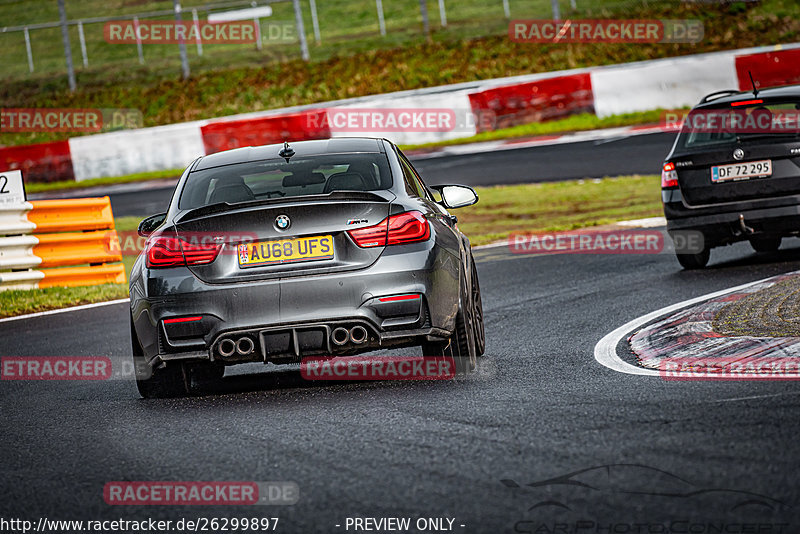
358	334
226	347
340	336
245	346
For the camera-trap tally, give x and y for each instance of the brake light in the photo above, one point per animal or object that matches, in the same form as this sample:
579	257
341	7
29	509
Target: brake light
408	227
396	298
669	176
183	320
163	252
747	102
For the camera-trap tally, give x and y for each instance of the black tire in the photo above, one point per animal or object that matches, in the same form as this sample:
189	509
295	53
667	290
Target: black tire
167	382
477	314
766	244
694	261
461	345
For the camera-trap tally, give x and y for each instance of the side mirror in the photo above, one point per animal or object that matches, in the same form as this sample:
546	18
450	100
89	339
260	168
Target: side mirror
147	226
456	196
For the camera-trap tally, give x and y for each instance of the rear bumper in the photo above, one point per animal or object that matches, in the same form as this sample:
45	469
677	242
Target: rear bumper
721	224
290	318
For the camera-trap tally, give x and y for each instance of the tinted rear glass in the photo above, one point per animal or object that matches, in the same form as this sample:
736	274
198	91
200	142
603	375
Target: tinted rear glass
317	175
712	126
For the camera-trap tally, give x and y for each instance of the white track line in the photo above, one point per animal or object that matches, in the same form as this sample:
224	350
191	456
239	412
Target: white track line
63	310
605	352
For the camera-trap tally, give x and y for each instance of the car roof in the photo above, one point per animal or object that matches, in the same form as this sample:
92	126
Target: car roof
318	147
770	93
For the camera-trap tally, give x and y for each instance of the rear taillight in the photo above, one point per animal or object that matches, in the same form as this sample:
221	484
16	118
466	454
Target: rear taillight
408	227
165	252
669	176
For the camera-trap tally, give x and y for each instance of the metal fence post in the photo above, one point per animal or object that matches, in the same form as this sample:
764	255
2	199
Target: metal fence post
196	22
314	20
138	40
556	10
423	7
301	32
381	22
257	22
506	9
181	43
67	48
83	44
28	48
442	14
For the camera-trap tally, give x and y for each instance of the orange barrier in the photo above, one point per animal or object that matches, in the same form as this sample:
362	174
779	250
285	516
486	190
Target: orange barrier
83	276
72	215
72	232
57	250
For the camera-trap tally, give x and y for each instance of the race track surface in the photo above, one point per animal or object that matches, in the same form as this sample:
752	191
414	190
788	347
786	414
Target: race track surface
539	407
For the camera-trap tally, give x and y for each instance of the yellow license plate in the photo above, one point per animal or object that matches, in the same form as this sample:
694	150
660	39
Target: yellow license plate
319	247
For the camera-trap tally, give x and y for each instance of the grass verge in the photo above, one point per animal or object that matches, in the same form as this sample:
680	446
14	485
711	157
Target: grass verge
501	211
21	301
557	206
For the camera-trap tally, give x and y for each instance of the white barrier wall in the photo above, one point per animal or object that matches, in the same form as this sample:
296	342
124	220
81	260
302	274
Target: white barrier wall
664	83
455	103
133	151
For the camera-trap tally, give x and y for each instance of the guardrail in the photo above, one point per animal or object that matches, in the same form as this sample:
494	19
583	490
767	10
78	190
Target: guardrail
50	243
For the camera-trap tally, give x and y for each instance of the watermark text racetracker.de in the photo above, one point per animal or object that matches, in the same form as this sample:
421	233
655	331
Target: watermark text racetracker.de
82	120
737	367
175	32
401	120
606	31
590	241
378	368
66	368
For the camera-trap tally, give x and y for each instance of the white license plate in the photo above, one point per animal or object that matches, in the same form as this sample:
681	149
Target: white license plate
741	171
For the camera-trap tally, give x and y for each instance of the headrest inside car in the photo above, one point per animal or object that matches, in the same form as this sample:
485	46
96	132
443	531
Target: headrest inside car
302	180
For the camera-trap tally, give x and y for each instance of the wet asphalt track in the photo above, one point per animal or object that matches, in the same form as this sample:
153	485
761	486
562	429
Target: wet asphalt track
538	407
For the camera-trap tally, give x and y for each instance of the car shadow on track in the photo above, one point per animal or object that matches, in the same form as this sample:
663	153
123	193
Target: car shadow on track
288	380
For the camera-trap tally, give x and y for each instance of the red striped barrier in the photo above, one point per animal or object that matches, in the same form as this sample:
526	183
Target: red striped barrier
537	101
224	135
769	68
42	162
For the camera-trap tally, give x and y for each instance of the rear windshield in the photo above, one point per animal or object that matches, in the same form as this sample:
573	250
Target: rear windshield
728	124
317	175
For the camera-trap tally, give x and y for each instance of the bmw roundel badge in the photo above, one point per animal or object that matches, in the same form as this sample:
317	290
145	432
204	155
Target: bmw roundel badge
282	222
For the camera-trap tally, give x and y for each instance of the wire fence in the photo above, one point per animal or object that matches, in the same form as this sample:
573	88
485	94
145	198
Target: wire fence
285	29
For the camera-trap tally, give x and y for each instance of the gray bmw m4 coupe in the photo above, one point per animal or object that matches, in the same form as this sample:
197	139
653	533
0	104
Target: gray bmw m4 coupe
318	248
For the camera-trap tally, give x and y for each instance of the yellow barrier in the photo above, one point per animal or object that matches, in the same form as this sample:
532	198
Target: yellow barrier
57	250
77	231
83	276
71	215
